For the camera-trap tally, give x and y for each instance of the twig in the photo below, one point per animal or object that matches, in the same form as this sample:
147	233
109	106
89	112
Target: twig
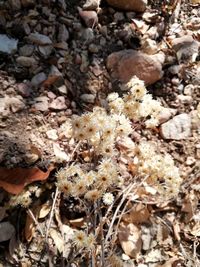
30	213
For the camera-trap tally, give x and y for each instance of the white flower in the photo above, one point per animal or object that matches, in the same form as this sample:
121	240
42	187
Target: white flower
108	199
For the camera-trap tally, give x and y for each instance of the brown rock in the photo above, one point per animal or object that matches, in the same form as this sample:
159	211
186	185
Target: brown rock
129	5
28	3
26	61
124	64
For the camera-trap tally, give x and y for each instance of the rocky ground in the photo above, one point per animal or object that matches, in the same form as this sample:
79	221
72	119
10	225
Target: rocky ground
59	58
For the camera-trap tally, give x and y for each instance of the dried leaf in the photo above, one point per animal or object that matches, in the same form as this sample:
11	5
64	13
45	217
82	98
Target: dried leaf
6	230
58	240
138	214
14	180
44	210
130	239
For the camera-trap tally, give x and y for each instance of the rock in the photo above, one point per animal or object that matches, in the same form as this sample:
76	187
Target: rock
7	45
124	64
62	89
93	48
63	34
91	4
52	134
15	4
166	114
54	76
185	99
89	17
15	104
118	16
39	39
88	98
186	48
189	89
41	103
24	89
26	50
26	61
45	50
28	3
133	5
177	128
87	35
38	79
58	103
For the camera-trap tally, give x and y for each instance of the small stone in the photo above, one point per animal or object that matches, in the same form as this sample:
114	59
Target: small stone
89	17
177	128
45	50
63	34
52	134
185	99
58	103
188	89
133	5
186	48
15	103
54	76
38	79
93	48
125	64
26	61
62	89
118	16
31	158
26	50
190	161
7	45
175	81
15	4
88	98
39	39
28	3
166	114
24	89
87	35
175	69
91	4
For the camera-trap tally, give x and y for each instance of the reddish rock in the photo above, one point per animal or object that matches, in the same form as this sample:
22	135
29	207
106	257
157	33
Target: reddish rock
89	17
125	64
129	5
58	103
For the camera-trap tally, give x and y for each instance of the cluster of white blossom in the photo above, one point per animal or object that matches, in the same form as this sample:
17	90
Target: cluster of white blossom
137	104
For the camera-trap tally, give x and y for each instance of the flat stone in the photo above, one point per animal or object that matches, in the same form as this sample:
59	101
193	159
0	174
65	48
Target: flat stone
177	128
15	104
26	61
88	98
41	103
125	64
39	39
26	50
58	103
186	48
7	45
45	50
24	89
63	34
133	5
52	134
38	79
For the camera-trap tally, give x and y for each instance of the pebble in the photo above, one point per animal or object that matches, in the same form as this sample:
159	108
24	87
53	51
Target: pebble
91	4
177	128
133	5
63	34
184	99
58	103
175	81
24	89
52	134
45	50
190	161
26	50
39	39
118	16
89	17
26	61
88	98
62	89
16	104
188	89
38	79
93	48
87	35
7	45
15	4
28	3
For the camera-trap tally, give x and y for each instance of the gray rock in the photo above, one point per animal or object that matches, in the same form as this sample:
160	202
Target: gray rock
177	128
88	98
15	4
24	89
186	48
38	79
39	39
63	34
45	50
26	50
15	104
26	61
7	45
125	64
